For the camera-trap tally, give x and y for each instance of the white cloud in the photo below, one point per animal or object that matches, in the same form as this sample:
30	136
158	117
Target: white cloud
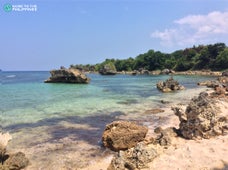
195	29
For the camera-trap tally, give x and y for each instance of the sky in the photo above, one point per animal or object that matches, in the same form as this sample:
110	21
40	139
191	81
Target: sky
64	32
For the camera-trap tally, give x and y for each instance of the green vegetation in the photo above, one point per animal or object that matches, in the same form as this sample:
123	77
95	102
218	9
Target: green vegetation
203	57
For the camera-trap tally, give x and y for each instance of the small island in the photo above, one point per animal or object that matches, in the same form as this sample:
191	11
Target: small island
64	75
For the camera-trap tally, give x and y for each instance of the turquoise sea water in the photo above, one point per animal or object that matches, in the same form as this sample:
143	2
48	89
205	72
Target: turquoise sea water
26	99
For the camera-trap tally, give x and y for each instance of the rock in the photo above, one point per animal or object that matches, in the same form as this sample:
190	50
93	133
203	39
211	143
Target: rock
134	158
4	139
165	136
169	85
154	111
108	69
16	162
223	80
225	74
122	135
67	76
209	83
201	118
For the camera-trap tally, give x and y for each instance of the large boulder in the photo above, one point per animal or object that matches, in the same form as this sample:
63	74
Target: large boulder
67	76
122	135
201	118
134	158
169	85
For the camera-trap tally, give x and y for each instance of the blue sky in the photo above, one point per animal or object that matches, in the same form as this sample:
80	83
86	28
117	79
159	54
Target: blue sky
64	32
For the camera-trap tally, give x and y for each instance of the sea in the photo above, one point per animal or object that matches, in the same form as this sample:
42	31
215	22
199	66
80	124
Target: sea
42	116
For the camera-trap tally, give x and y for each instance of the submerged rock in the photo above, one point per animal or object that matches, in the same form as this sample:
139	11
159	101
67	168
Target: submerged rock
122	135
134	158
67	76
169	85
201	118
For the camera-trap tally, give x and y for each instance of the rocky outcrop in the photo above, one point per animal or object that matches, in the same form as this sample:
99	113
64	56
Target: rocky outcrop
67	76
122	135
134	158
169	85
201	118
108	69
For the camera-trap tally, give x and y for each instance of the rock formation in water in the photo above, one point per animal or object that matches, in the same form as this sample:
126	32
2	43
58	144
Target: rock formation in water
108	69
169	85
67	76
122	135
201	118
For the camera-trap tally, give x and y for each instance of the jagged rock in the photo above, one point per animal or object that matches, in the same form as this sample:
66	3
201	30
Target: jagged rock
165	136
134	158
201	118
169	85
67	76
154	111
122	135
16	161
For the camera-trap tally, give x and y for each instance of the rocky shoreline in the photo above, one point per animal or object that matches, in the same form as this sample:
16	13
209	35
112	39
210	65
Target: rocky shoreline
167	139
168	72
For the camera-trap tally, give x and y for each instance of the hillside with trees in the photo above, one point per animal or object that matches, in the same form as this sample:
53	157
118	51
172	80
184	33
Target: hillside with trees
203	57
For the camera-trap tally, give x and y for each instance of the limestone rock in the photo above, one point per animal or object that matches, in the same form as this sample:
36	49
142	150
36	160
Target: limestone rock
122	135
16	161
169	85
134	158
67	76
201	118
108	69
165	136
209	83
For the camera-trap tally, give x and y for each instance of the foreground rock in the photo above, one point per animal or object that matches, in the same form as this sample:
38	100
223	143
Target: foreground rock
169	85
134	158
67	76
14	161
201	118
122	135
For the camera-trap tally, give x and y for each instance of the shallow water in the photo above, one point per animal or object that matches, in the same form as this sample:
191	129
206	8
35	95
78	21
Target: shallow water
58	119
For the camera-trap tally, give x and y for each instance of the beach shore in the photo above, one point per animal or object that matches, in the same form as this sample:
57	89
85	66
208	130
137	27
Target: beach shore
77	141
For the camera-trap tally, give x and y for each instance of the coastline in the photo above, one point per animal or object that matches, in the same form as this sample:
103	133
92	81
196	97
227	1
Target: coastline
69	151
159	72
